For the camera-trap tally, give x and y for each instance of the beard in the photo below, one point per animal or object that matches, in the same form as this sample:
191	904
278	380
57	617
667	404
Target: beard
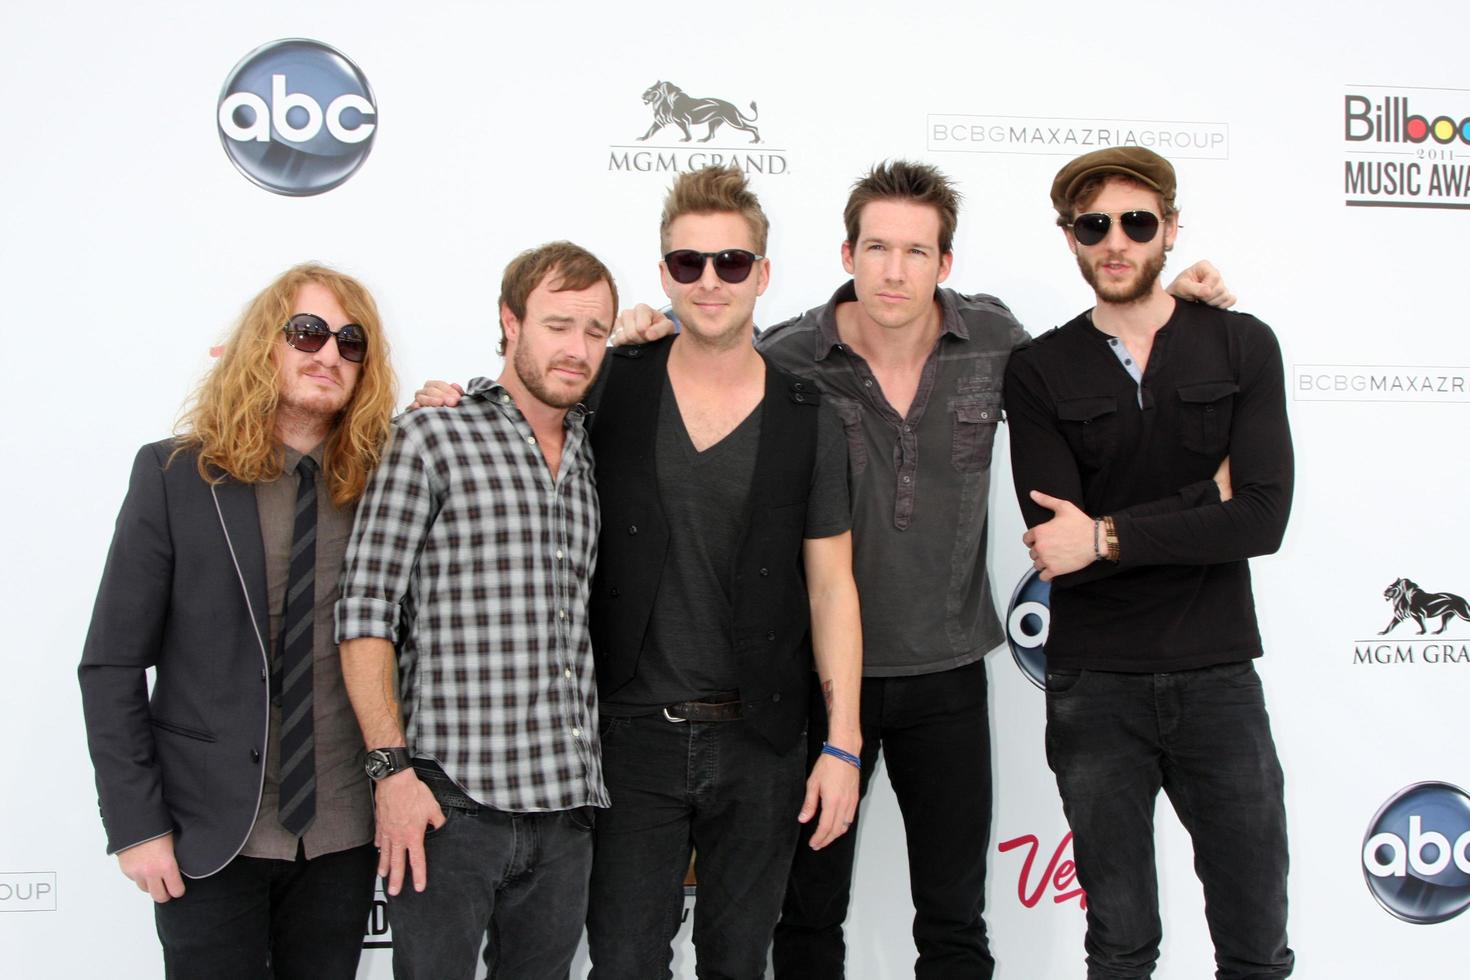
1127	291
536	383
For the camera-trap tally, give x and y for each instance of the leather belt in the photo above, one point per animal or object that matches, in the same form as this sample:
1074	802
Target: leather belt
711	710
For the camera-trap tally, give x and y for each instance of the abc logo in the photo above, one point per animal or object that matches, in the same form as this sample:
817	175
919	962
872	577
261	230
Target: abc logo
296	117
1416	855
1027	623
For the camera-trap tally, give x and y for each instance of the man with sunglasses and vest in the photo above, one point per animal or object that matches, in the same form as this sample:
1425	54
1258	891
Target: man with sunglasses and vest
1118	421
234	794
724	578
914	371
463	624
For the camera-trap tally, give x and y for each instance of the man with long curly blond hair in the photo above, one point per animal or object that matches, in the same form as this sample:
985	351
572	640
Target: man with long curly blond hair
241	772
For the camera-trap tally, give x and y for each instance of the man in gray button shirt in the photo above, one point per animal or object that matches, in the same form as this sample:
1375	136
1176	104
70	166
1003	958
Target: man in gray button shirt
272	455
915	372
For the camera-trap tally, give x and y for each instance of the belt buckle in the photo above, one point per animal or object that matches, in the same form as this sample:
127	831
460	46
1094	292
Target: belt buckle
671	718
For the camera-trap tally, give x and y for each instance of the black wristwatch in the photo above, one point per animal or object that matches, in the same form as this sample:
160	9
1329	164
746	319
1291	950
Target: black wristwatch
382	763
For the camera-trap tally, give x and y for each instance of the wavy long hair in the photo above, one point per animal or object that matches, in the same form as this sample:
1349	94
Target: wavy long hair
231	417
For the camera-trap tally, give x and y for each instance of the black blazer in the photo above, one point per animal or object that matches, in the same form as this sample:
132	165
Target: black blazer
183	591
771	633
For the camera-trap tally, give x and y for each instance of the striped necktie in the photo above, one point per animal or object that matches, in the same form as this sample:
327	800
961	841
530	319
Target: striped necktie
298	742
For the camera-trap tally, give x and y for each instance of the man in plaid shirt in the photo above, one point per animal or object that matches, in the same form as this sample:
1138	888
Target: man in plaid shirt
472	554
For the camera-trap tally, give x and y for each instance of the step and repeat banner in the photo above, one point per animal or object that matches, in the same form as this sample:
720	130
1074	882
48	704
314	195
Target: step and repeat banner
164	161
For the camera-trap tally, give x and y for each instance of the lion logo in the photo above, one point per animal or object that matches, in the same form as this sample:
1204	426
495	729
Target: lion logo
1410	602
670	104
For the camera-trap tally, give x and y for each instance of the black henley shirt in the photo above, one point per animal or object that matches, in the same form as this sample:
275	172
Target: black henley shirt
1145	452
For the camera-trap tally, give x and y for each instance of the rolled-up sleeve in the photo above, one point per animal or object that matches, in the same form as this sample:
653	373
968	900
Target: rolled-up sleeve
393	521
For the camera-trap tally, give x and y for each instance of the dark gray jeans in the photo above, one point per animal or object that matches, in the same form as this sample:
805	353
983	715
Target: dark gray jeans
1113	741
715	787
520	876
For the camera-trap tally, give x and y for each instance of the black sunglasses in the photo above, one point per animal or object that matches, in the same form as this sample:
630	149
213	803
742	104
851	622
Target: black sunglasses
1091	228
308	333
732	265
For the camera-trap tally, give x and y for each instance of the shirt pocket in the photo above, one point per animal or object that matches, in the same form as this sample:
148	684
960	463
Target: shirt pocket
1090	426
851	414
975	418
1205	410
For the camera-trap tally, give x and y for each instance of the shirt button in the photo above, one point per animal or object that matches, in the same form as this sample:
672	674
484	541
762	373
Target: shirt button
576	732
771	635
1114	341
568	672
255	756
765	572
868	383
908	428
561	613
505	399
558	554
908	479
530	440
632	528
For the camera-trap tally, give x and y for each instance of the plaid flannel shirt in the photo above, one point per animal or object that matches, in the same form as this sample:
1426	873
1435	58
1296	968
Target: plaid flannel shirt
477	565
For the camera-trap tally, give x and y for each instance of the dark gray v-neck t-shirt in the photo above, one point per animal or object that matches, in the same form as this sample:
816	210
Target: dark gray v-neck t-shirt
687	655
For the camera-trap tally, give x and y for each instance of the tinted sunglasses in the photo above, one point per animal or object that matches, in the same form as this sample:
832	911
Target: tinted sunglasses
732	265
308	333
1091	228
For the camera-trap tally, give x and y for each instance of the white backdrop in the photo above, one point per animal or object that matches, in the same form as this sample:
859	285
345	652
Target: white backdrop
128	242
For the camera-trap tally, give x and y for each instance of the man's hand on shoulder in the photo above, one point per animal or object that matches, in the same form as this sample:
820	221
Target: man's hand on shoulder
436	394
1203	283
404	808
640	325
152	867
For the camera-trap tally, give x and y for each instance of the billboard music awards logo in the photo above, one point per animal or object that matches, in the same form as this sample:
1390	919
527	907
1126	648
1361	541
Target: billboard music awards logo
1416	853
1426	628
1028	621
296	117
1062	136
1406	147
677	118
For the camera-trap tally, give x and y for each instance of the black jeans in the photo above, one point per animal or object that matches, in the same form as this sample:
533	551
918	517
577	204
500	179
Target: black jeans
520	876
720	789
1113	741
934	731
258	918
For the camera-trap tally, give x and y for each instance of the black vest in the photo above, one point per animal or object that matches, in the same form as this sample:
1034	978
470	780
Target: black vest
772	621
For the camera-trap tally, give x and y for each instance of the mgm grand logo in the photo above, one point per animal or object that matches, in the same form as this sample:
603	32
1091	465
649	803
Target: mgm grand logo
713	121
1432	614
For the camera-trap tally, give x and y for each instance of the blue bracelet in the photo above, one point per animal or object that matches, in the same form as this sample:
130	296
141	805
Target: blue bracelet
846	756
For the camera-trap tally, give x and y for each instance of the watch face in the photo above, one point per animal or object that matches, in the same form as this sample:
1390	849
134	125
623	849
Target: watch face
377	764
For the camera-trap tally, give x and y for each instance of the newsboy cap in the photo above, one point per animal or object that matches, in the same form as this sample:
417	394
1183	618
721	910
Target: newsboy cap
1142	165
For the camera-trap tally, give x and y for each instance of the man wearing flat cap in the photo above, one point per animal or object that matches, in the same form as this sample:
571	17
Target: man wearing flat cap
1152	459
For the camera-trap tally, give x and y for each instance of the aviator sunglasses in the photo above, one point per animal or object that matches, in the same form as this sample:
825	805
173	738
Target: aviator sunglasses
732	265
308	333
1091	228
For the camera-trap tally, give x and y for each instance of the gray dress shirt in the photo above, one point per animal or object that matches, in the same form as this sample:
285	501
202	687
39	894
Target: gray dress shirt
344	805
920	482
